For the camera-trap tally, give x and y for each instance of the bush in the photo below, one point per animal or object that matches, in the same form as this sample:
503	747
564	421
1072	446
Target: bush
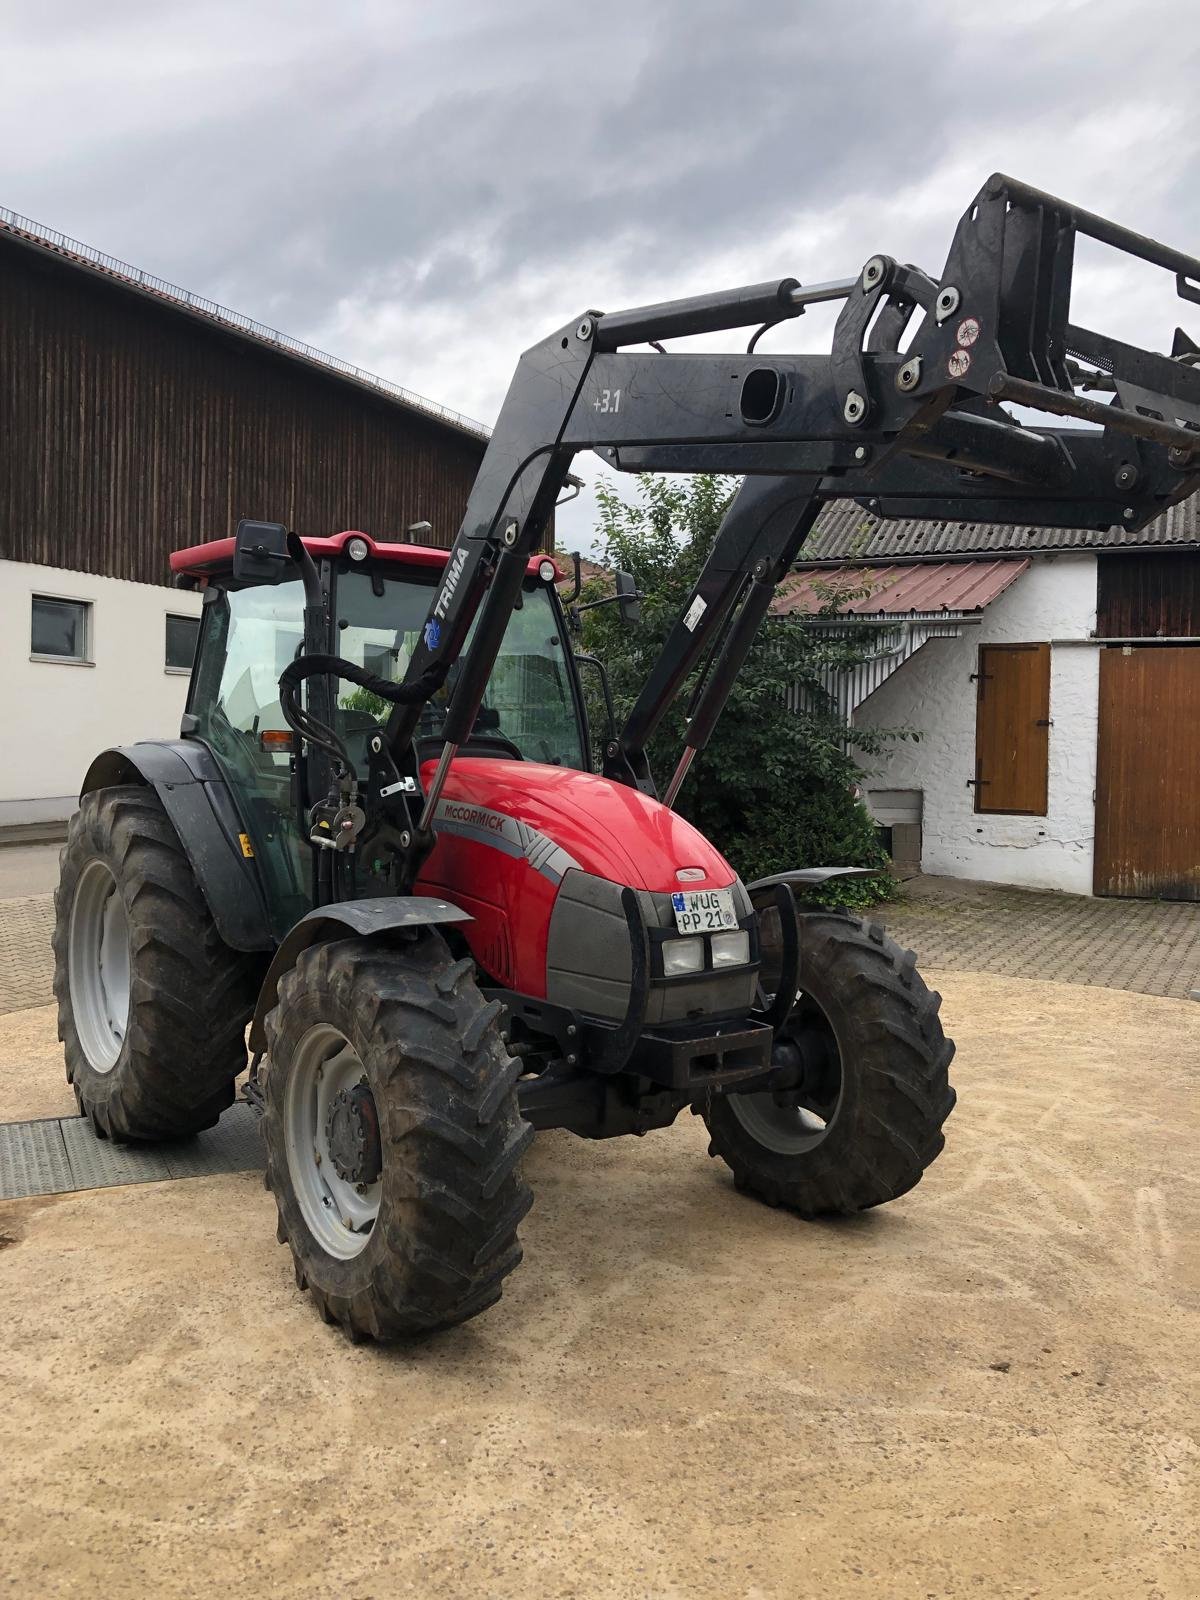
775	788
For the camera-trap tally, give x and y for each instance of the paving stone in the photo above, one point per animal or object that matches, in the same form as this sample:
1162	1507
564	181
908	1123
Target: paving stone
26	959
1148	946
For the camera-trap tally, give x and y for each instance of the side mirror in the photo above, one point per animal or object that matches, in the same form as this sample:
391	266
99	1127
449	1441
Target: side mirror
629	601
260	552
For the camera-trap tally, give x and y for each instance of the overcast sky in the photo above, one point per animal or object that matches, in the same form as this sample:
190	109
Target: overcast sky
425	189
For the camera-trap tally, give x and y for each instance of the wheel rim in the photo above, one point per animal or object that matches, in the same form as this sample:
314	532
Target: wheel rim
793	1121
98	966
325	1072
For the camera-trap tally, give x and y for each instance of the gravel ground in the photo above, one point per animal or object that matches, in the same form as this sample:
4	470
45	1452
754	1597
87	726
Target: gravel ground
991	1388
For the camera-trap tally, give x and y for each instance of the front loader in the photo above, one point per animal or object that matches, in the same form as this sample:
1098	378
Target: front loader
381	847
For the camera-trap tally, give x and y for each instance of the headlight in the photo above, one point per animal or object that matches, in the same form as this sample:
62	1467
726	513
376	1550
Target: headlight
682	955
357	549
730	949
547	571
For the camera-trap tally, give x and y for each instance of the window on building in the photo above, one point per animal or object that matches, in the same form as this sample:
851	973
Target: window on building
60	630
1012	729
181	642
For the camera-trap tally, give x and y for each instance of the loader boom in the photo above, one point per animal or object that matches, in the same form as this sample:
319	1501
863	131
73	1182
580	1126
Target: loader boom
918	432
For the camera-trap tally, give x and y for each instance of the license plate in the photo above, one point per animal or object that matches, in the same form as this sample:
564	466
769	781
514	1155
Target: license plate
704	910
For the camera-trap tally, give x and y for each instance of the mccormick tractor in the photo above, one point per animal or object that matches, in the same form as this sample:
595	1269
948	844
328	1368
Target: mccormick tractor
382	846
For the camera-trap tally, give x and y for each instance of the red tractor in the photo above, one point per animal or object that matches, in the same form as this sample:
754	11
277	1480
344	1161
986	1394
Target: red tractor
380	842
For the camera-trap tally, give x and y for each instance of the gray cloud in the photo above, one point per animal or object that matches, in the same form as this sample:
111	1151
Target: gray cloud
427	190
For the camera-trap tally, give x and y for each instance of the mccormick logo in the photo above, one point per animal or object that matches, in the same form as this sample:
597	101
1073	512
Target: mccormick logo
472	816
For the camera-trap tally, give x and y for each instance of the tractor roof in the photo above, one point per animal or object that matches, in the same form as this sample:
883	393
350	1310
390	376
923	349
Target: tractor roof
200	560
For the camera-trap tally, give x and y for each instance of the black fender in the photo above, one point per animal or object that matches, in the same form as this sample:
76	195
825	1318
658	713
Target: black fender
781	937
185	776
367	918
800	876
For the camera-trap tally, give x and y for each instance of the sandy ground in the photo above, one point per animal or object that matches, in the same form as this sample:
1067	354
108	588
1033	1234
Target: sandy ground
991	1388
32	1082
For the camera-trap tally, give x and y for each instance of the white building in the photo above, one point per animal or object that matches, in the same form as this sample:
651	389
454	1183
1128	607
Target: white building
1049	684
90	662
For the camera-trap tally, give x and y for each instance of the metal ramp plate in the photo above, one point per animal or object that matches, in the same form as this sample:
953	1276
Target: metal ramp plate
33	1160
60	1156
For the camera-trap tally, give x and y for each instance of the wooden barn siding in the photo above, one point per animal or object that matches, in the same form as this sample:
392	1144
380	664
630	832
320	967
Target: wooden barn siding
129	429
1150	595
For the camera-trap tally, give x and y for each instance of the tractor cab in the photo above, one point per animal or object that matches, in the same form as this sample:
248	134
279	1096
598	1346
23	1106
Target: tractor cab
378	596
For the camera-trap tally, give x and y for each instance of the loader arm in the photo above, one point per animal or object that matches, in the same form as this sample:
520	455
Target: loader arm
919	432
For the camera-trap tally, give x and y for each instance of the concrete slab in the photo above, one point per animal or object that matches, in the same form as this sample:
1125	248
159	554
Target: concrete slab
29	869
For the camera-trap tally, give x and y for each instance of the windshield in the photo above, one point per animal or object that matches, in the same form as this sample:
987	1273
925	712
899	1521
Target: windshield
529	706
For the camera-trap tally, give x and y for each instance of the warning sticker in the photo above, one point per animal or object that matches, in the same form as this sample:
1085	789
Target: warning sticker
958	364
693	613
968	332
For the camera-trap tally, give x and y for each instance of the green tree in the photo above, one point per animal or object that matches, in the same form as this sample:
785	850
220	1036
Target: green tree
775	788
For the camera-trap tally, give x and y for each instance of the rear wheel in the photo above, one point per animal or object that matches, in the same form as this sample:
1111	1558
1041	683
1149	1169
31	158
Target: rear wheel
394	1139
152	1004
867	1065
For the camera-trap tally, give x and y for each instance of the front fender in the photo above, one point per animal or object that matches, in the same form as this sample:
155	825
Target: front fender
366	918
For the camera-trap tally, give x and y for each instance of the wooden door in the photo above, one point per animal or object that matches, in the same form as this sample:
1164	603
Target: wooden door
1012	729
1148	773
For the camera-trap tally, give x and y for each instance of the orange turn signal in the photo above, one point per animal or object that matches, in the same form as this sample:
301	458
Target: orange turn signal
276	739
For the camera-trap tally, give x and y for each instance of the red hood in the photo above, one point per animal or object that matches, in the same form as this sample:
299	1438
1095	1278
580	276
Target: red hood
611	830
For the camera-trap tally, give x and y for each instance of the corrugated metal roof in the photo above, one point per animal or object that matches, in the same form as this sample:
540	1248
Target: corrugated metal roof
845	532
895	590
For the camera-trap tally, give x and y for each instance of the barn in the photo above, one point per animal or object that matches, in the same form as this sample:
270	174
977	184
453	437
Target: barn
1043	689
138	418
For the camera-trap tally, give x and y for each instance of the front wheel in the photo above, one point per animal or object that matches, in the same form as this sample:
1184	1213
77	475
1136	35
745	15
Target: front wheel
866	1062
393	1136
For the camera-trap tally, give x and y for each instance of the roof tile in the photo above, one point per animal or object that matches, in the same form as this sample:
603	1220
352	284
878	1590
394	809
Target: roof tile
893	590
845	532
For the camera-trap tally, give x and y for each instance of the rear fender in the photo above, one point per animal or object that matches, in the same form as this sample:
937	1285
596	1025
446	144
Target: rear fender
194	794
369	919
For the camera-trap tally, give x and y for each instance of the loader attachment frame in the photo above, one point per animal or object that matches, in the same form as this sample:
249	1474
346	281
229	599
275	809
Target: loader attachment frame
918	432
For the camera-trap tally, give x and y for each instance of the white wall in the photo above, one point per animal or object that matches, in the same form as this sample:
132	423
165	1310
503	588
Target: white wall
54	715
932	693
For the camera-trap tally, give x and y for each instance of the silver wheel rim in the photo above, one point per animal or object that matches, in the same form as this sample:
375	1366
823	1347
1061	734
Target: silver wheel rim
782	1126
98	966
788	1122
340	1215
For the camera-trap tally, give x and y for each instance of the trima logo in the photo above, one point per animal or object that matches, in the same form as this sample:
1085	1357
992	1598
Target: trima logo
453	574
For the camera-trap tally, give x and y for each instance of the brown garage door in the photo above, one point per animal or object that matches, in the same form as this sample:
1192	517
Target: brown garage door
1148	773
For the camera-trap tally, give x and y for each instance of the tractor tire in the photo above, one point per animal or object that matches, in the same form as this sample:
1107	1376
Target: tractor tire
394	1139
866	1119
152	1004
